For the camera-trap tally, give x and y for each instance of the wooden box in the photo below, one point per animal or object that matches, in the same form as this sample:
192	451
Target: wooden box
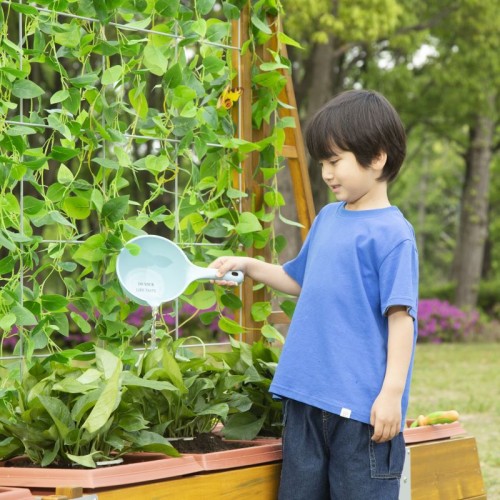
445	470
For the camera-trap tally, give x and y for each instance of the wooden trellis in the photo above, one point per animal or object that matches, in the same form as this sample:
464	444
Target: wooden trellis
293	150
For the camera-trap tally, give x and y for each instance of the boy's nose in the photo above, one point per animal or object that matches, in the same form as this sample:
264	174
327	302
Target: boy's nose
328	174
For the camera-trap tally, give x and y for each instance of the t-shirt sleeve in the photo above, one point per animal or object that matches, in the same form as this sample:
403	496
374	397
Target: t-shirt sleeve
398	275
296	267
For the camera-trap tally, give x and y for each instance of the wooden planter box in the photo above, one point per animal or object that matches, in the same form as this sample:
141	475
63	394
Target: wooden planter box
157	474
443	470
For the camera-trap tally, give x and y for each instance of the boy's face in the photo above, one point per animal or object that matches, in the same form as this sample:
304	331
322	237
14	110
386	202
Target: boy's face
354	184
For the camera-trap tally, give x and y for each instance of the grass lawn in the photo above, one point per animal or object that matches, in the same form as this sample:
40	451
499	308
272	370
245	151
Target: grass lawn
466	378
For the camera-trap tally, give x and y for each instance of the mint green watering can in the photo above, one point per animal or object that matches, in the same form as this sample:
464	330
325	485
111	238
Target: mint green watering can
159	271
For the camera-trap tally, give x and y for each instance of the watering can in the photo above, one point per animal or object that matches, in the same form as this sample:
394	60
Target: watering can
160	271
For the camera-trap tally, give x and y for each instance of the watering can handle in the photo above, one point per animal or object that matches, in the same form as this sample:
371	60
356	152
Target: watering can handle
209	273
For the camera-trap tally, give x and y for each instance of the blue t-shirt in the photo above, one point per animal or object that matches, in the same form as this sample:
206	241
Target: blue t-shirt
353	266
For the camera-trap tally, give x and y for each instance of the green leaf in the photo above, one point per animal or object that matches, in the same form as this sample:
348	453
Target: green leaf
274	199
87	80
139	102
77	207
107	362
230	326
271	333
107	163
63	154
25	9
155	60
59	96
24	317
151	441
129	379
57	218
232	301
261	25
59	413
26	89
81	322
204	7
7	265
261	310
203	300
106	404
64	175
97	199
199	27
7	321
19	130
288	41
91	250
288	307
54	303
289	222
7	243
172	370
112	75
83	460
173	77
116	208
242	426
248	223
271	66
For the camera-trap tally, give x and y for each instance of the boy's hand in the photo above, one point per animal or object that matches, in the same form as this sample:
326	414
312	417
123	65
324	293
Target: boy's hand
386	417
225	265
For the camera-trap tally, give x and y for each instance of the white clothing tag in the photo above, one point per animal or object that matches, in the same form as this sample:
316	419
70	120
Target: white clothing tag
345	412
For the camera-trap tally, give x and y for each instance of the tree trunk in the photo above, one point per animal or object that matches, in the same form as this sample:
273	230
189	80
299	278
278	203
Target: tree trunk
473	228
323	84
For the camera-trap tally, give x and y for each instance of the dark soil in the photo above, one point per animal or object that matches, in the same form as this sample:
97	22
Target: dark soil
207	443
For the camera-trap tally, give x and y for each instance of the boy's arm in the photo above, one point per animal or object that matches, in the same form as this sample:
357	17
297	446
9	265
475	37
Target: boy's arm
386	410
272	275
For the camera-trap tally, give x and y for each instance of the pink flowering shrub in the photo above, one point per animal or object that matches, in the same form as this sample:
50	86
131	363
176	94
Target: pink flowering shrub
439	321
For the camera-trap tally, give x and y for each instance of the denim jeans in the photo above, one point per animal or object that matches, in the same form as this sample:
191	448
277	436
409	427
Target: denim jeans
326	456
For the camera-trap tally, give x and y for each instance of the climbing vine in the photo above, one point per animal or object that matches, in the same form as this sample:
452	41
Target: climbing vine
117	119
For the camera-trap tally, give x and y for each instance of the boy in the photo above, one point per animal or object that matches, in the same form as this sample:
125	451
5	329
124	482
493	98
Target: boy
346	364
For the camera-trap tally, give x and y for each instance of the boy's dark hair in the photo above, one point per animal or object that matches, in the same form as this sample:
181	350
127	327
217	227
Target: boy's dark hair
362	122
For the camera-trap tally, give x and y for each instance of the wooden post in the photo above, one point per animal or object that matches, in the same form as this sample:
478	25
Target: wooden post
249	180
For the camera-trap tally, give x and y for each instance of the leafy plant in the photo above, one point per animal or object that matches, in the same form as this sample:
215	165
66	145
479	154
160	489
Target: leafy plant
78	407
256	364
204	394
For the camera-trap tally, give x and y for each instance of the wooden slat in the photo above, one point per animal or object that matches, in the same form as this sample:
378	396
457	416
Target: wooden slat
298	166
289	151
249	179
446	470
244	181
260	482
279	318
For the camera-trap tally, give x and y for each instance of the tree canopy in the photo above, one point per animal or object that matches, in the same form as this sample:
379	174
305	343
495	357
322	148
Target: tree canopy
437	62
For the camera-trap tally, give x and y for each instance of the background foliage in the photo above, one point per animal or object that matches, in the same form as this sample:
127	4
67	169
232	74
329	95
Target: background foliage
437	63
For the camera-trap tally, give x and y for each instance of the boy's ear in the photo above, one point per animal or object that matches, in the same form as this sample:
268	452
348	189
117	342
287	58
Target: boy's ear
379	161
